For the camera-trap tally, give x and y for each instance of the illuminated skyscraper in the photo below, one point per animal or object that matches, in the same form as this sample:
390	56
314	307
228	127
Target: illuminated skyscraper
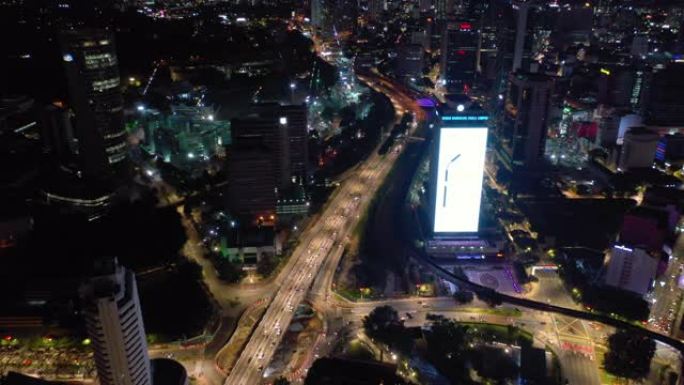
457	170
90	63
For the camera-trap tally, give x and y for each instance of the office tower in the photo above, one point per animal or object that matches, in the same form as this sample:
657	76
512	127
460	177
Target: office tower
521	35
638	148
410	61
425	5
317	13
670	148
459	51
516	24
443	9
298	137
631	269
664	105
376	8
457	170
251	181
620	86
270	128
114	322
522	134
57	133
90	62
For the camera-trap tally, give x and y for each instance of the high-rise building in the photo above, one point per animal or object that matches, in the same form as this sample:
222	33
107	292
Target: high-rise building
270	154
410	61
376	8
425	5
620	86
114	323
522	134
516	24
90	61
298	138
459	56
670	148
522	35
457	171
251	181
317	13
270	127
631	269
664	105
443	9
638	148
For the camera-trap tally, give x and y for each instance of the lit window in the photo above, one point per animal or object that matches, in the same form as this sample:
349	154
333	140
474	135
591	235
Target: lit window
102	85
117	148
100	61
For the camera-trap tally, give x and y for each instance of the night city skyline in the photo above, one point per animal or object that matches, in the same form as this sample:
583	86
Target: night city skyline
338	192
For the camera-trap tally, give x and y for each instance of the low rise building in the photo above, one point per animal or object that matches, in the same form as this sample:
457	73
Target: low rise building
247	246
631	269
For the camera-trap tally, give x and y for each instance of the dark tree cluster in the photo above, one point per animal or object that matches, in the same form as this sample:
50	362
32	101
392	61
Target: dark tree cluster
629	355
447	349
164	293
384	325
228	271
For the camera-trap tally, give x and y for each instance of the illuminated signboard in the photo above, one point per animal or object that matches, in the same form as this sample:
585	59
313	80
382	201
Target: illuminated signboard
460	167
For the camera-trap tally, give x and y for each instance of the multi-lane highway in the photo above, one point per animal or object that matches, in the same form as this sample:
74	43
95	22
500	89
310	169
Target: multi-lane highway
321	241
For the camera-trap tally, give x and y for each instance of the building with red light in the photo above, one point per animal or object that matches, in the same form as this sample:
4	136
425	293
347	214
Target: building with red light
459	56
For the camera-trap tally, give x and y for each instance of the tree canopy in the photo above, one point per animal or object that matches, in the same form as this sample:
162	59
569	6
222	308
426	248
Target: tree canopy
629	355
384	325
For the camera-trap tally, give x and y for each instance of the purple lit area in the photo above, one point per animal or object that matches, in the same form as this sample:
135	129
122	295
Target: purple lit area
427	103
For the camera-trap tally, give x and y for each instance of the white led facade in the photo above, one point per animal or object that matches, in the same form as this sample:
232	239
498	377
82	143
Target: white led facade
460	168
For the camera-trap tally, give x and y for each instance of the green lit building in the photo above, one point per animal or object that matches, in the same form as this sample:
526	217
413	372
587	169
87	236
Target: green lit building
188	137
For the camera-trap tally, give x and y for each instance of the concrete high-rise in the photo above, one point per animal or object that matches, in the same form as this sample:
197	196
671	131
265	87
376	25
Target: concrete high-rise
316	13
522	133
638	149
114	323
270	127
443	9
252	192
515	23
663	102
410	61
92	72
459	56
298	138
376	8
